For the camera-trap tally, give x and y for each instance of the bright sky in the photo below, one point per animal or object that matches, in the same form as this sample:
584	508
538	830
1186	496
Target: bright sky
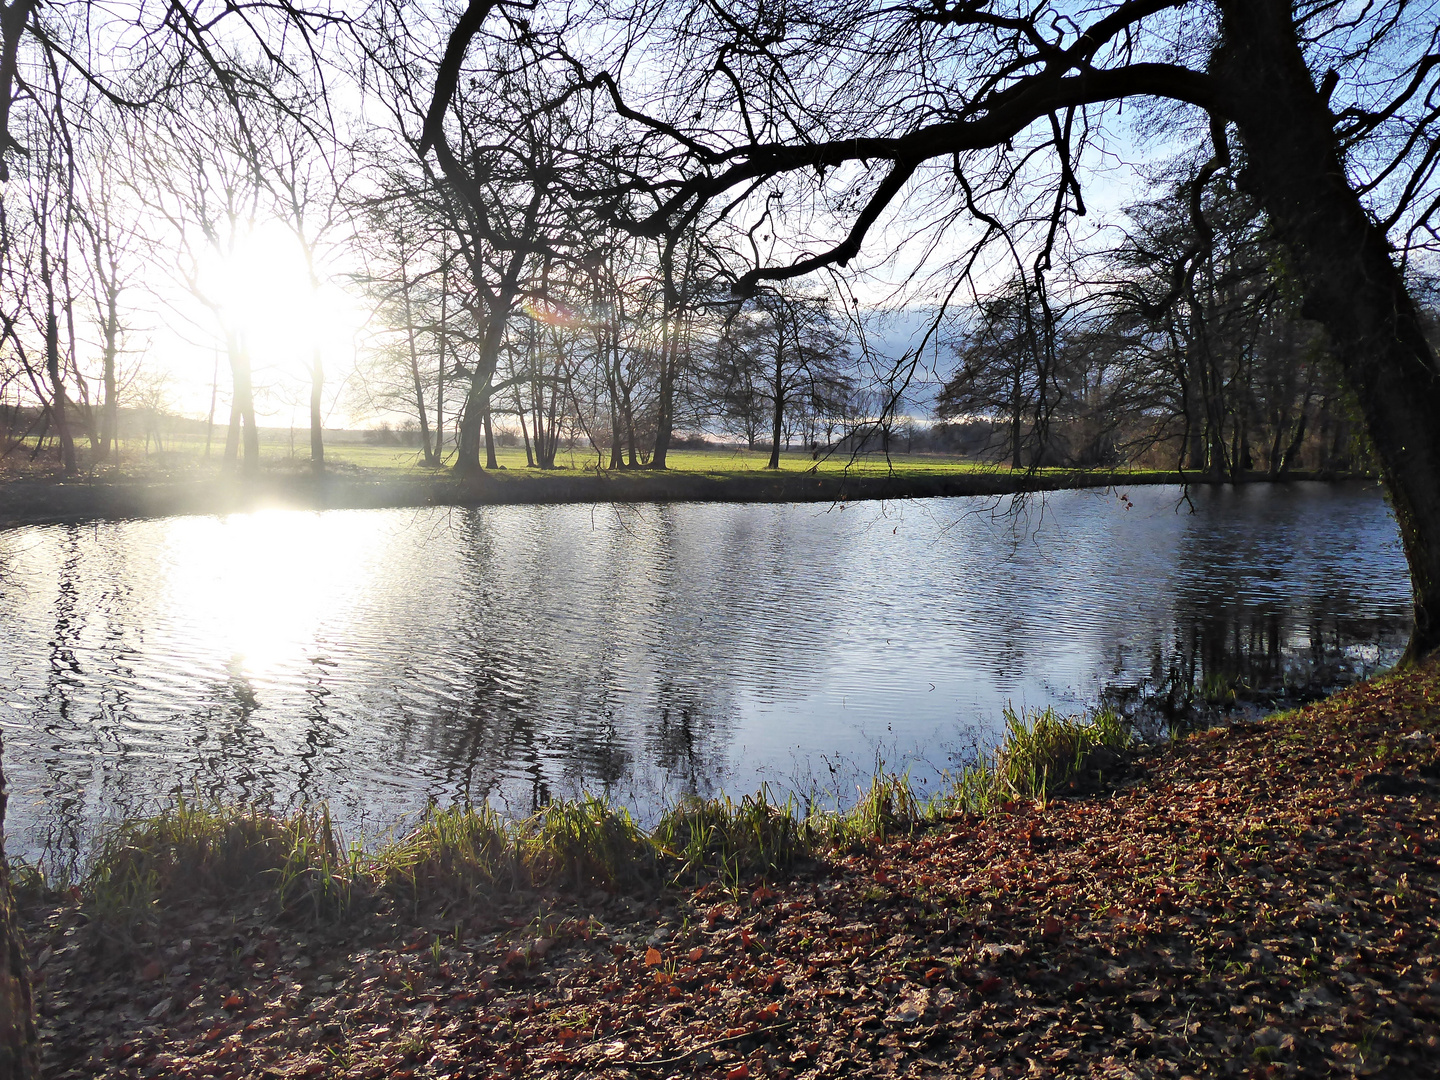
267	297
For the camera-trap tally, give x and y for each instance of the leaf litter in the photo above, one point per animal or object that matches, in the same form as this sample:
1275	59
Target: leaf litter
1254	901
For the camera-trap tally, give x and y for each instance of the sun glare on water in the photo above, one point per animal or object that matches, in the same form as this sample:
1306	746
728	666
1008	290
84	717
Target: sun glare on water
259	588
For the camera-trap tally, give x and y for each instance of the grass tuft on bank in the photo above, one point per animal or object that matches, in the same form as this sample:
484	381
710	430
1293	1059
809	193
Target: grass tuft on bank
298	865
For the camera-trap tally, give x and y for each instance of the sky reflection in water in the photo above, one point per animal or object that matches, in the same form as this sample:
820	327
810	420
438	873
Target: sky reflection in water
380	660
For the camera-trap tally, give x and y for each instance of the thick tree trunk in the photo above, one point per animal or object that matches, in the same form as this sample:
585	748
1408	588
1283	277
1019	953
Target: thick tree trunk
19	1045
1348	273
242	413
470	433
1293	450
232	438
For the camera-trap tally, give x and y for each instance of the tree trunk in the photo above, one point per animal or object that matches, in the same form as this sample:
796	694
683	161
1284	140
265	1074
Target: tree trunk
417	386
1280	421
632	446
669	356
1293	450
19	1044
317	437
777	414
110	410
443	342
524	431
214	393
232	438
242	412
440	412
471	430
615	458
1348	275
490	462
245	398
57	387
665	404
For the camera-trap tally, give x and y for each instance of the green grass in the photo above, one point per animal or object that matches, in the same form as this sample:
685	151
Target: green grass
300	867
184	457
727	839
1044	751
586	842
452	853
195	848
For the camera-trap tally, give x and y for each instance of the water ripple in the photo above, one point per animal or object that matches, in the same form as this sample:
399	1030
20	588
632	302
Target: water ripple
380	660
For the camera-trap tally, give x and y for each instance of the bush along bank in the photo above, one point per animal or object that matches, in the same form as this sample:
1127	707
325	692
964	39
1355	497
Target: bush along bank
1259	900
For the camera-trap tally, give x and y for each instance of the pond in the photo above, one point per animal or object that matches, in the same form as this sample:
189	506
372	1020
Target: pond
379	661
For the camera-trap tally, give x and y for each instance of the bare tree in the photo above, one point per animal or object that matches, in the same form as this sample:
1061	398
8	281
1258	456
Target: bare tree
1007	369
505	150
780	354
298	163
112	242
985	111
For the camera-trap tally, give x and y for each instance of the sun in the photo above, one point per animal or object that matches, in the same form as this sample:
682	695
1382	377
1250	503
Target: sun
273	305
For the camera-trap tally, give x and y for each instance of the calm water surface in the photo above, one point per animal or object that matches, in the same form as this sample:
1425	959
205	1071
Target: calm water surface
383	660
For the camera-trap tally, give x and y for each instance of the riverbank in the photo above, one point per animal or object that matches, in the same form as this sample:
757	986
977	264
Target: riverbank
32	501
1261	900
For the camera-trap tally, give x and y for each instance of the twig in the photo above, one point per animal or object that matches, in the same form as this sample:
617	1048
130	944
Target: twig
655	1063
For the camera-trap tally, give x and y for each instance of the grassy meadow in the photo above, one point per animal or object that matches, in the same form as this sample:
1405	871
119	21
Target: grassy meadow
185	457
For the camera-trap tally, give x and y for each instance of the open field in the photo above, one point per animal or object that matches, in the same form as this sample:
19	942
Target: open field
359	475
186	456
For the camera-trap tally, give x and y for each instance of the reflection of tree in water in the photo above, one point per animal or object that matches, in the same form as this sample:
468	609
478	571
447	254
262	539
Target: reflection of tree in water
85	702
64	825
574	656
1258	659
538	652
1235	639
97	741
559	682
